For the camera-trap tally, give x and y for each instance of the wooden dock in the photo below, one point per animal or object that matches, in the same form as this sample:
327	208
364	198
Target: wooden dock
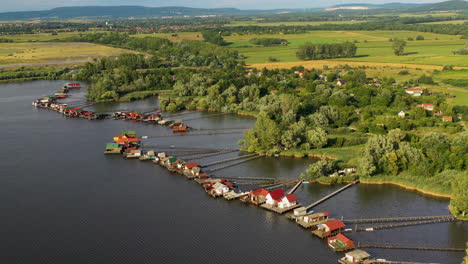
393	219
414	247
331	195
233	195
234	164
309	225
295	187
394	225
280	210
227	160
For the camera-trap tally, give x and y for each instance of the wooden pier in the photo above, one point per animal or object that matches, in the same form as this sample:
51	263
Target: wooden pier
226	160
331	195
394	225
393	246
295	187
233	164
280	210
393	219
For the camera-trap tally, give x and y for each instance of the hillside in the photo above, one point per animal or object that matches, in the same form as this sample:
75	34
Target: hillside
442	6
125	11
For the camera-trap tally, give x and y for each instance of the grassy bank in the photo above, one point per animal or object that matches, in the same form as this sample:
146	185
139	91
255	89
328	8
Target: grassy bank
345	154
430	186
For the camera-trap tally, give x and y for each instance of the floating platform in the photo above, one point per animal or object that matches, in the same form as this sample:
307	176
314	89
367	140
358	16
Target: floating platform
312	224
280	210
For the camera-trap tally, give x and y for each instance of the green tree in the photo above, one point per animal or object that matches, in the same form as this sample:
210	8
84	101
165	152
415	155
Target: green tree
214	37
459	200
399	46
263	137
318	169
316	137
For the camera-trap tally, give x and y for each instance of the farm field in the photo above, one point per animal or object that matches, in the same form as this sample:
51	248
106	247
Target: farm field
40	37
373	46
292	23
448	22
23	53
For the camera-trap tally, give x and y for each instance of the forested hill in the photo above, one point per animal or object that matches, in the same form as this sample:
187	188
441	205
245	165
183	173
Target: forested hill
443	6
126	11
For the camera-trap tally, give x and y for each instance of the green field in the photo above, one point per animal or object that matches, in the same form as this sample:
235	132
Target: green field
292	23
436	49
40	37
448	22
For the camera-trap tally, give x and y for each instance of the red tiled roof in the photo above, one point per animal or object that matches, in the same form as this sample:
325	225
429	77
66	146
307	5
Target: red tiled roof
291	198
191	165
414	89
343	238
334	224
260	191
276	194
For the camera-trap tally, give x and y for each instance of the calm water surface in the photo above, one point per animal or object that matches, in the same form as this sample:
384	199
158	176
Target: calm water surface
63	201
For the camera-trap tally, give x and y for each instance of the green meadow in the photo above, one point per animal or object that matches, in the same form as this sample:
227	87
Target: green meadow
373	46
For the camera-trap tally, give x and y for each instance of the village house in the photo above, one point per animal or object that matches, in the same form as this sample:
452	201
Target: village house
438	113
402	114
428	107
288	201
447	119
341	82
414	91
301	73
274	197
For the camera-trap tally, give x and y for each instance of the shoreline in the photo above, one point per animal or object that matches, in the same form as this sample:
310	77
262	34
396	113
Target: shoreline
427	192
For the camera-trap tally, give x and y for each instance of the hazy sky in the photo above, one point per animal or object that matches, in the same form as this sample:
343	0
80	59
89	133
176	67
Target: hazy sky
27	5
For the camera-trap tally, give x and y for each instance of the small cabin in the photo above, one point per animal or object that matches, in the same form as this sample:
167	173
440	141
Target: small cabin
258	196
414	91
447	119
340	242
328	228
288	201
355	256
315	217
301	211
341	82
220	189
274	197
402	114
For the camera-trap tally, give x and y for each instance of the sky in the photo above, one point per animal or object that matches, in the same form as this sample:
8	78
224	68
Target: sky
29	5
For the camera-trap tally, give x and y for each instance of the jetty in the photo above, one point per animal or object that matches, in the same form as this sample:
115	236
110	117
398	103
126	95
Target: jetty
413	247
323	199
394	219
411	223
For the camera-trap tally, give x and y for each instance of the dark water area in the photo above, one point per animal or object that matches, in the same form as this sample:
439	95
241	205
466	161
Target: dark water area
63	201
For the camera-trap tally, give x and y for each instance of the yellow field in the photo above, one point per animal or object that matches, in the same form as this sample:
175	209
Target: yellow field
24	53
44	36
318	64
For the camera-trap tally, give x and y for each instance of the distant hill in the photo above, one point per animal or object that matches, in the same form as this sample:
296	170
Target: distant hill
127	11
379	5
442	6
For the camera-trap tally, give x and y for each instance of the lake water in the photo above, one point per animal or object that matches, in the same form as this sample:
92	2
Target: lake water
63	201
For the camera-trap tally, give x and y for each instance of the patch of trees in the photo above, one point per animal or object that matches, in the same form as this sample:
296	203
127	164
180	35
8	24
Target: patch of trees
310	51
214	37
462	51
269	41
424	156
